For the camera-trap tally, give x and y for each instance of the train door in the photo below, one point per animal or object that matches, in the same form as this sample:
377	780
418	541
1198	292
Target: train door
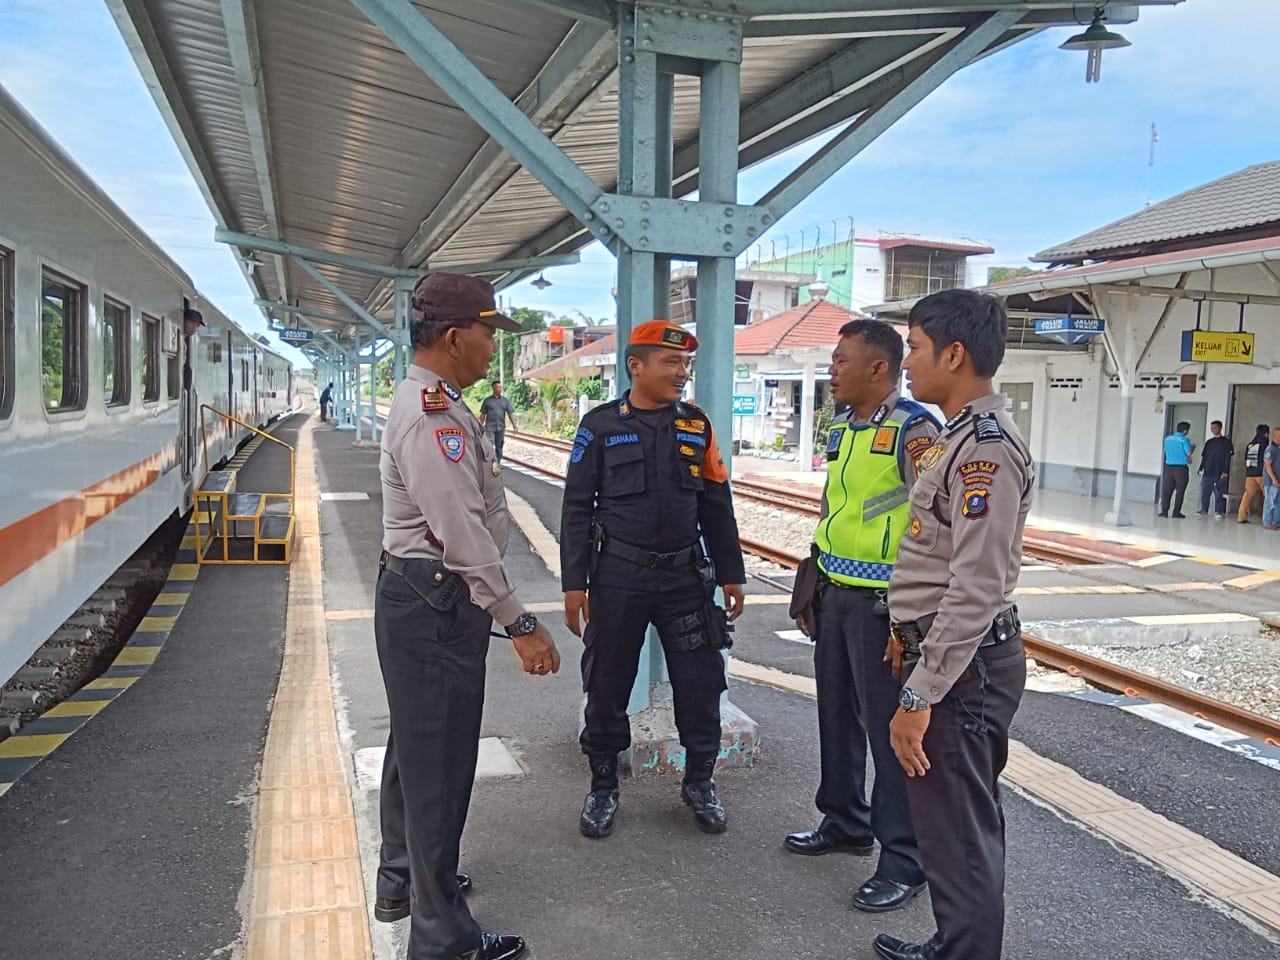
187	404
231	378
257	393
1020	395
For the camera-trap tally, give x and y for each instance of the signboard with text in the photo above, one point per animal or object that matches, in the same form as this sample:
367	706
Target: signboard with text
1212	346
744	405
1069	329
297	335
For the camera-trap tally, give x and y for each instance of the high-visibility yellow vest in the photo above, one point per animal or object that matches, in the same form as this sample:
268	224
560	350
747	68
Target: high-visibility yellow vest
867	497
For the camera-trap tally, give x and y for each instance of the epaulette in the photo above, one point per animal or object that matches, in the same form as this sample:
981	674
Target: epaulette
434	400
986	426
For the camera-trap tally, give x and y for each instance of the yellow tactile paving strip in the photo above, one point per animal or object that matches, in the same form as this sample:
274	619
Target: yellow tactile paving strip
307	891
1180	852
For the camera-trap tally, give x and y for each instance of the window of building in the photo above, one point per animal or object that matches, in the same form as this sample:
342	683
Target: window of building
115	354
917	272
62	336
150	359
6	333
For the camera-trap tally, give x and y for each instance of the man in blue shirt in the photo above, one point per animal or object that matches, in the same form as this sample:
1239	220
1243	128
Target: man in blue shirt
1177	470
1271	483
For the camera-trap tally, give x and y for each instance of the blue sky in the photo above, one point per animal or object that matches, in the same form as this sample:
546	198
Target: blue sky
1016	151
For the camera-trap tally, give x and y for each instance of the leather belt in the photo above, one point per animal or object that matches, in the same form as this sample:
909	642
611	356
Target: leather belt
685	556
911	633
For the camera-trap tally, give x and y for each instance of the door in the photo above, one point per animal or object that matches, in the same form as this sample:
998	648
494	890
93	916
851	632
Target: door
1196	414
1019	406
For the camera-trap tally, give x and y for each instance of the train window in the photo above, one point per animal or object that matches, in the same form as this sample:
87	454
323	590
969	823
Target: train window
150	359
62	335
244	374
175	376
6	333
115	353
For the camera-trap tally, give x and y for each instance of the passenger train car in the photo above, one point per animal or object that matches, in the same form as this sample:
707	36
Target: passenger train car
99	418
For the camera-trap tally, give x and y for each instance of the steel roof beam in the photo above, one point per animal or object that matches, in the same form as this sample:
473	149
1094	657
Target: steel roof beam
249	241
240	21
893	24
279	307
605	11
827	9
361	313
476	94
831	157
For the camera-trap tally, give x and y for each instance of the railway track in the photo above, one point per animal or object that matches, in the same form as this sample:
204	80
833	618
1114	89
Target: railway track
1095	671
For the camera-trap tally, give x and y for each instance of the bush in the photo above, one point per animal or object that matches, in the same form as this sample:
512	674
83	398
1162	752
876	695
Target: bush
523	396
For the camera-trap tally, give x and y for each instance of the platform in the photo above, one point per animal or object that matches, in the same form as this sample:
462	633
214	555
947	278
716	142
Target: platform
143	835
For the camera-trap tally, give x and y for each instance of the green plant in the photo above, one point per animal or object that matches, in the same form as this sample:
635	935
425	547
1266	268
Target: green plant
822	425
779	442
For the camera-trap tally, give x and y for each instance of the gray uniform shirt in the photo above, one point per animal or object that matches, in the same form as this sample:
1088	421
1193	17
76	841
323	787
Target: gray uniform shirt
494	409
962	550
442	495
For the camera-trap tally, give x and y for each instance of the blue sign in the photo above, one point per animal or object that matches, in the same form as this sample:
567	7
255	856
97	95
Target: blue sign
1069	329
297	334
744	405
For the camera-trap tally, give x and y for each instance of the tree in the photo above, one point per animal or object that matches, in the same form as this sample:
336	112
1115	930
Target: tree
1000	274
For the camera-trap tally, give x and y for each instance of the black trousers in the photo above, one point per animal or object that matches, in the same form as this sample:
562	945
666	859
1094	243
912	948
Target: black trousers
1173	484
497	438
614	637
857	697
433	667
956	805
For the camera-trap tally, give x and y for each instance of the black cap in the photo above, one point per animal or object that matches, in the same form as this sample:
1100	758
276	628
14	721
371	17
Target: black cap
456	298
193	316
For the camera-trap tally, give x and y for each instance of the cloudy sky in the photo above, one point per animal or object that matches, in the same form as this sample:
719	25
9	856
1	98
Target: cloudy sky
1016	151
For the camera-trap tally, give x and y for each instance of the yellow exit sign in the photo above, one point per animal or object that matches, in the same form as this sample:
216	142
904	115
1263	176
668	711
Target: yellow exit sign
1211	346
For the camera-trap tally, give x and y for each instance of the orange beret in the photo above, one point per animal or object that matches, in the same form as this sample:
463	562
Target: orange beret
663	333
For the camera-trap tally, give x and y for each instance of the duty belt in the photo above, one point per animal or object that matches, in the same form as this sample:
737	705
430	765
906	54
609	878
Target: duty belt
684	557
910	634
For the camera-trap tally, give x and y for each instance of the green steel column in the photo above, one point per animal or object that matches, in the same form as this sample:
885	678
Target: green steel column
718	183
358	399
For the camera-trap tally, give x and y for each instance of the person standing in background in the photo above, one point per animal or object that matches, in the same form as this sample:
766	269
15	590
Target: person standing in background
1177	470
1253	485
491	413
326	399
1215	471
1271	483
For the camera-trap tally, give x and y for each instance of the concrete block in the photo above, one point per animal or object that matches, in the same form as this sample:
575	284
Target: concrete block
656	748
69	636
86	620
108	595
1142	631
55	653
16	701
35	676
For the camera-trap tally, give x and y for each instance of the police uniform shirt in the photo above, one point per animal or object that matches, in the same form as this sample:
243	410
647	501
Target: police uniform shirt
915	441
442	496
654	480
962	550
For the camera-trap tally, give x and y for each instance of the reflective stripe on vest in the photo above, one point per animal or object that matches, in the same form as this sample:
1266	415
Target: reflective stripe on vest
867	502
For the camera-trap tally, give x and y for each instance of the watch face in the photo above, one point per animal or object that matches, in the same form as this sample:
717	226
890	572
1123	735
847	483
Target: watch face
906	698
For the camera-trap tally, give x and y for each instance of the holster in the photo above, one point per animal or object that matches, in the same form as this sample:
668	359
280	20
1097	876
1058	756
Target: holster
439	587
804	591
709	624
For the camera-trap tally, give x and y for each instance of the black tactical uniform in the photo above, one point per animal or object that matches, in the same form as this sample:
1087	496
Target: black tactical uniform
642	487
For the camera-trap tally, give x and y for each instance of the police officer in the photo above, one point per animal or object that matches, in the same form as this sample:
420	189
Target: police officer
950	598
872	451
441	586
645	481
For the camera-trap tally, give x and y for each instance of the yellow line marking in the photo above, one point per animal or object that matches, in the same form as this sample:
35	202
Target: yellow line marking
1154	561
1209	560
36	745
157	624
110	683
136	656
1252	580
184	571
76	708
1183	618
306	880
4	788
1187	587
189	542
348	614
171	599
1179	851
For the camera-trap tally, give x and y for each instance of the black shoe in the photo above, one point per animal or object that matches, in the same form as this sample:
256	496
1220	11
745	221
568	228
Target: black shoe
495	946
1179	516
891	948
598	811
708	811
1165	515
388	910
880	895
815	843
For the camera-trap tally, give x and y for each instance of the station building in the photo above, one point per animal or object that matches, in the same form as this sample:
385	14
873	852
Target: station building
1162	316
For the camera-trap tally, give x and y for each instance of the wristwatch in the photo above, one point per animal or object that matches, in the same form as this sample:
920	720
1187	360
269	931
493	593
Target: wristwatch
911	701
524	625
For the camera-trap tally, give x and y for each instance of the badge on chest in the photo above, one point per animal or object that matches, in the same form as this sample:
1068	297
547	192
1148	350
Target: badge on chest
885	440
452	442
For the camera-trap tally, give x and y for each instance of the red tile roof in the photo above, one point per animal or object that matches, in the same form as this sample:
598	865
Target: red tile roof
561	365
813	324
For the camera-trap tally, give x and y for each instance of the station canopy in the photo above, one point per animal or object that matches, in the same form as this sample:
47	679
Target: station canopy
309	129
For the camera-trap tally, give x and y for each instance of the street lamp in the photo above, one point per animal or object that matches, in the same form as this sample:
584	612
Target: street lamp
542	282
1096	39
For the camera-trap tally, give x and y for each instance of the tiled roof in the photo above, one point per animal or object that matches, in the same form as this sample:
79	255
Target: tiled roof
561	365
1242	201
889	241
813	324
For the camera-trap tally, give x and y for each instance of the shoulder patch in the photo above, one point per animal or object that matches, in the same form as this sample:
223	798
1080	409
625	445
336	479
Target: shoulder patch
930	457
697	425
580	444
833	442
917	446
978	472
433	401
696	439
452	442
975	502
987	427
885	440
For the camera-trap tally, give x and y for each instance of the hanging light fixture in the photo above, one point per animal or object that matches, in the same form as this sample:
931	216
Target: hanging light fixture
1096	39
542	282
251	262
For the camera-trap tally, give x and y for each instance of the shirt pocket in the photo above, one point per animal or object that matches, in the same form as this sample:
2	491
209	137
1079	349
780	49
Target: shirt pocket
623	470
689	464
922	520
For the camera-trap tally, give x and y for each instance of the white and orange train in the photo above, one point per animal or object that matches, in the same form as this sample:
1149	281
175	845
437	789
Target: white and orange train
99	419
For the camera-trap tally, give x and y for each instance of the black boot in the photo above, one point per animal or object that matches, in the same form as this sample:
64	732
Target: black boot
699	792
601	805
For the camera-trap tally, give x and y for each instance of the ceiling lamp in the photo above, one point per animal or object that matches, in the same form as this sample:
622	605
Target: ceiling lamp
542	282
1096	39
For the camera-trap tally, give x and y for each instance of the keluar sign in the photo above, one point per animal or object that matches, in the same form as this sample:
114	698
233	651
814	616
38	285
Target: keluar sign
1212	346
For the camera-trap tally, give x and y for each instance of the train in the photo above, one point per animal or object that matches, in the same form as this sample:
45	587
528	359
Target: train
101	386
